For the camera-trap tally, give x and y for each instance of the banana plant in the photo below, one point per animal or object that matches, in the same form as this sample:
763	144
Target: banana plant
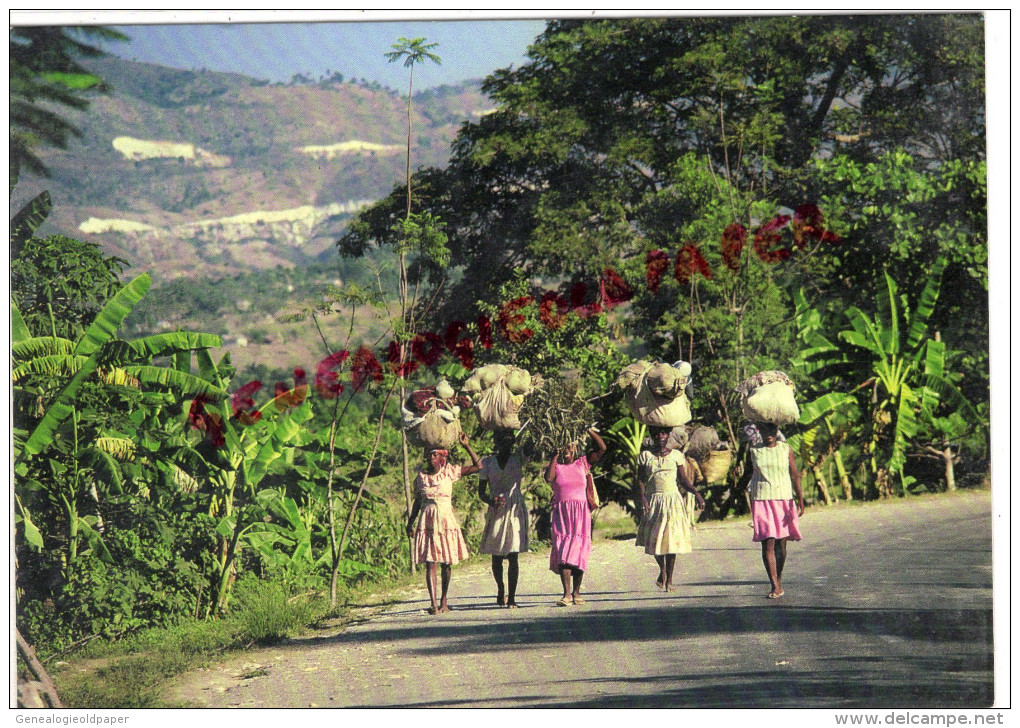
897	373
252	443
625	437
58	454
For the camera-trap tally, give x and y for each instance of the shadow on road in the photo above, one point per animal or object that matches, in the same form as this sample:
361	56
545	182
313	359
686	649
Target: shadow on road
951	666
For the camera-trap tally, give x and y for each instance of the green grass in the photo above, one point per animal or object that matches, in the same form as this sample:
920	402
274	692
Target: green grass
134	672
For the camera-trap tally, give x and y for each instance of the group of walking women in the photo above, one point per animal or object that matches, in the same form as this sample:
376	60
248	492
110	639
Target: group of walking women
665	529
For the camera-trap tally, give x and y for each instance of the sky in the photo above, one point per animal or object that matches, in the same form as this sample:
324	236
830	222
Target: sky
278	51
471	45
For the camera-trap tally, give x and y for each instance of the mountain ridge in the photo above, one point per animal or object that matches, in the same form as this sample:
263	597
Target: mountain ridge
188	173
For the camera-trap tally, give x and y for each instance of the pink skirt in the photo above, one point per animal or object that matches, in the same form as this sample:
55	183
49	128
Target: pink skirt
775	519
571	535
438	537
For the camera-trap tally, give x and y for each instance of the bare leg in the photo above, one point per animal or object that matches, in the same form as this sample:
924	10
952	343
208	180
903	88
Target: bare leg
768	556
497	574
661	581
445	581
576	595
670	563
512	573
565	574
430	584
780	561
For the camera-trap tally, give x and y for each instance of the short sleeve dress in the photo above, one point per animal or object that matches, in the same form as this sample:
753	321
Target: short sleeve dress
437	535
571	517
506	528
773	511
666	523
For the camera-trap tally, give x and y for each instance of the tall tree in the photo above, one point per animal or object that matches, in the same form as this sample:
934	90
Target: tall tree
413	232
411	52
588	133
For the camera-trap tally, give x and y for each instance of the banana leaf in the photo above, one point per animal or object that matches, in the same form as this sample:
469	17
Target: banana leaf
109	319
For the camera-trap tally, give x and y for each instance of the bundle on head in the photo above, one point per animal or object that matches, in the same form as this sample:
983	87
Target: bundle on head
431	416
498	391
555	415
703	440
769	397
655	393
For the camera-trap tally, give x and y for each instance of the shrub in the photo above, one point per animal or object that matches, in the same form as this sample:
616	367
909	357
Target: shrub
263	611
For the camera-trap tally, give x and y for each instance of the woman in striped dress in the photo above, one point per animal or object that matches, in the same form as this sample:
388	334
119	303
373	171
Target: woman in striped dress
774	515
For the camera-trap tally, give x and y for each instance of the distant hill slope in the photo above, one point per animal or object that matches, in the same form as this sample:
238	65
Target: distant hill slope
189	173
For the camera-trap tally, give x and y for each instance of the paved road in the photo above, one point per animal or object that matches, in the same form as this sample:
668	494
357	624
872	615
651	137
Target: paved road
886	605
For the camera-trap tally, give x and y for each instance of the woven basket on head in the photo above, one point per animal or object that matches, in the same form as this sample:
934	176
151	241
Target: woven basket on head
715	467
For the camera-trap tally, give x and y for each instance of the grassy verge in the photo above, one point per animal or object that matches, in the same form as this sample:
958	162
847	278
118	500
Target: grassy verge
134	672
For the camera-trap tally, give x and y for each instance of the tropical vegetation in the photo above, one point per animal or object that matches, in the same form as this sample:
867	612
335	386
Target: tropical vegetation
745	194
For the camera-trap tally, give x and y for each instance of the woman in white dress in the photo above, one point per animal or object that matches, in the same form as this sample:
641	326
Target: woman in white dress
666	523
506	522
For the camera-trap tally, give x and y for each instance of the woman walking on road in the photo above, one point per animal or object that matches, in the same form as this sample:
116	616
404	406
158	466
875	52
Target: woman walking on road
506	522
774	516
571	516
666	522
432	523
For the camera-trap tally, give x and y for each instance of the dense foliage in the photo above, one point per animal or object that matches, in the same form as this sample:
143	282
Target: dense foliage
794	193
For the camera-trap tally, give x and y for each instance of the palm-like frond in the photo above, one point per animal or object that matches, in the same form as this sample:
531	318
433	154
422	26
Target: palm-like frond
109	319
173	343
37	346
186	385
121	448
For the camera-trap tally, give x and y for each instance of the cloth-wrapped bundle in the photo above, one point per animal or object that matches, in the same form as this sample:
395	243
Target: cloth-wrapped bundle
431	416
655	393
769	397
498	391
703	440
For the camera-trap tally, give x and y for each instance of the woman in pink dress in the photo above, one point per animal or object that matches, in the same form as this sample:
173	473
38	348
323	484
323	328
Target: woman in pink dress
433	525
571	517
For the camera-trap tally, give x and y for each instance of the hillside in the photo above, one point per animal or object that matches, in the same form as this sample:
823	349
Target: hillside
182	172
232	192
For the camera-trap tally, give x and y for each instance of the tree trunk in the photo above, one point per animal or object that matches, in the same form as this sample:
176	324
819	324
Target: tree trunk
49	697
883	482
820	482
844	479
947	456
334	551
408	500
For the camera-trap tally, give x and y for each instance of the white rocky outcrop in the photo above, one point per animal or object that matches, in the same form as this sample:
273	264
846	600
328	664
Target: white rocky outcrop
293	227
330	151
97	226
139	149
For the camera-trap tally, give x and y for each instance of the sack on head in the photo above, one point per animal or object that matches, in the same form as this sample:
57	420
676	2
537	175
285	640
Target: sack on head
438	429
769	397
655	394
703	441
498	391
498	408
